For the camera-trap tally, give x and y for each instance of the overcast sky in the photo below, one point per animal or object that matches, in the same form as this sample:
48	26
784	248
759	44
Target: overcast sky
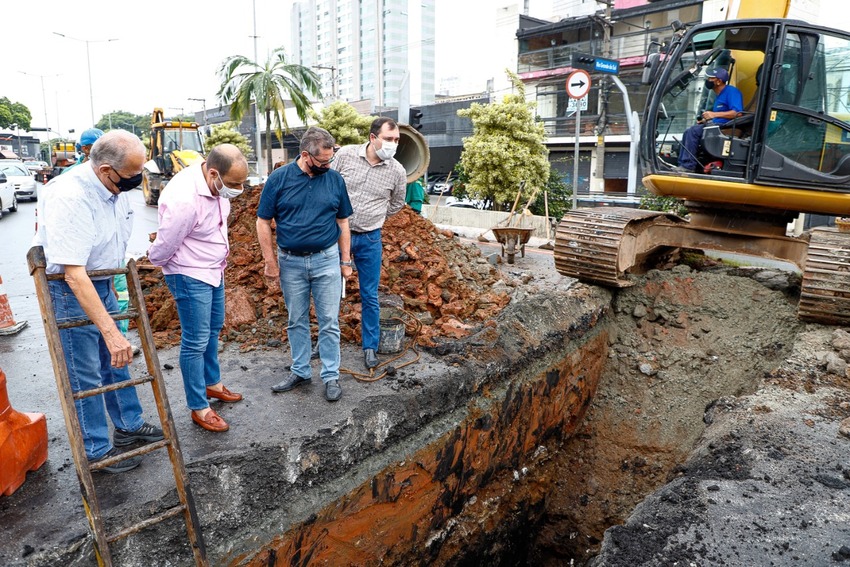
168	52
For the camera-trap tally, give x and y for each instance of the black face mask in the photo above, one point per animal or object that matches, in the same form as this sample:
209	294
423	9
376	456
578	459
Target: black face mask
316	170
709	84
128	183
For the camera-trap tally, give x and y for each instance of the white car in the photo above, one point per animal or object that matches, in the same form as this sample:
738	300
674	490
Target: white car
464	203
36	166
7	195
21	178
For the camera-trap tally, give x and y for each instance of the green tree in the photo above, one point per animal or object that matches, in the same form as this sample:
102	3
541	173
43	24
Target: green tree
663	203
139	124
345	124
506	148
14	113
269	86
226	133
558	194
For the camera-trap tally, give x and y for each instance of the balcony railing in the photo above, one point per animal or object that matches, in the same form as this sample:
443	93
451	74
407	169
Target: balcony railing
622	47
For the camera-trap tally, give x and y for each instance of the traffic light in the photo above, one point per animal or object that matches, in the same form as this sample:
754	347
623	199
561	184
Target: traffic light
583	61
415	118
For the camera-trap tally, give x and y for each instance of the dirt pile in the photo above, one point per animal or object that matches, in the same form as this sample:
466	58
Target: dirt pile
445	284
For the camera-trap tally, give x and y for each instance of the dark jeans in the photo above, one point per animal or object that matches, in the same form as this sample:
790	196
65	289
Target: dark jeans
690	147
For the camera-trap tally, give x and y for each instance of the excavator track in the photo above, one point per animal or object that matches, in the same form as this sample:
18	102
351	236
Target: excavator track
598	245
825	291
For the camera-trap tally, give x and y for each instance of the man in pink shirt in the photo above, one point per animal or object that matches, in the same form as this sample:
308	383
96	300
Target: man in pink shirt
191	246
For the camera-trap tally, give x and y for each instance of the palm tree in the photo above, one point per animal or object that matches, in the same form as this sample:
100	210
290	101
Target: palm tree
244	81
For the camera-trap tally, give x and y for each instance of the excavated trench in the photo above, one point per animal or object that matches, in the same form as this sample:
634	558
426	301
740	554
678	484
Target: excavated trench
668	349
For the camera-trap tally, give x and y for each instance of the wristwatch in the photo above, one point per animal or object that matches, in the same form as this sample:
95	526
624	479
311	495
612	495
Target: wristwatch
345	264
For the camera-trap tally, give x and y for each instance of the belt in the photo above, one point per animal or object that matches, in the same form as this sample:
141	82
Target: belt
297	252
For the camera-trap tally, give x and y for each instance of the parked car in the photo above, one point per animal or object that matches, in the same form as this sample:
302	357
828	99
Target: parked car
439	186
21	178
7	195
36	166
464	203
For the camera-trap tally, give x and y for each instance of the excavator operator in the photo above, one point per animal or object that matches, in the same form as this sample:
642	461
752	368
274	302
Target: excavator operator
728	103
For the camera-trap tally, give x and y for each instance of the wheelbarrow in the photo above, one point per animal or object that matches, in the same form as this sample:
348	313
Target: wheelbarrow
512	238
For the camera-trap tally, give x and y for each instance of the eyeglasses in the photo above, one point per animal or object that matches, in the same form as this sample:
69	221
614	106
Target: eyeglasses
320	162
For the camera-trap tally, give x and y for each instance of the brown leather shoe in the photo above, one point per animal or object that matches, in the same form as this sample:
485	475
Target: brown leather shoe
212	422
224	395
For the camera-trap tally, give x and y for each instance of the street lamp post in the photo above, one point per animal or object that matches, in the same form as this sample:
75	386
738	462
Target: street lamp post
257	141
88	62
203	102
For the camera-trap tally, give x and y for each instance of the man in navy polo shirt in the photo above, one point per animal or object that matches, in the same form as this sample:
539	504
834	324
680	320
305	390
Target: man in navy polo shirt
310	207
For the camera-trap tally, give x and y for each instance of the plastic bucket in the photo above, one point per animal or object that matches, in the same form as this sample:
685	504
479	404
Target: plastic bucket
391	331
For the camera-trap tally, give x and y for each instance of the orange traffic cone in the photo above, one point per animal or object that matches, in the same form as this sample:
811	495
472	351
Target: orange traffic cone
23	442
7	320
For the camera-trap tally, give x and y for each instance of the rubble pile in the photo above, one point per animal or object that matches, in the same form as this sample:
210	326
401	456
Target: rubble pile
428	273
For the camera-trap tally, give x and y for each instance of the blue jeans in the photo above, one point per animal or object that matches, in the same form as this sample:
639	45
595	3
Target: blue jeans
90	366
690	147
200	307
366	249
319	275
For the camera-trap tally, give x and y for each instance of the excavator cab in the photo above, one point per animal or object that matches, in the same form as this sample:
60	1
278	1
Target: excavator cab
794	131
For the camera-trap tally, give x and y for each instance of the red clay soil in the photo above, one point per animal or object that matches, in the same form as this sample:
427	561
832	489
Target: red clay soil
429	273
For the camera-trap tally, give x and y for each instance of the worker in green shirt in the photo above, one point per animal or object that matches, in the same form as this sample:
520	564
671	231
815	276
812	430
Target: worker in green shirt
415	195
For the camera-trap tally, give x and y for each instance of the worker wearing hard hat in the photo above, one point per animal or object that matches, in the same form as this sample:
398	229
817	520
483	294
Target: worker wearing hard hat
87	140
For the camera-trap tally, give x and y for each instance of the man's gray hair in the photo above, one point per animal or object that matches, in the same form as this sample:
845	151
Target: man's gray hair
114	148
315	139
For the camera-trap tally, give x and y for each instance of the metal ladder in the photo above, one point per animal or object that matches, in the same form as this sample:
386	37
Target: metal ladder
138	313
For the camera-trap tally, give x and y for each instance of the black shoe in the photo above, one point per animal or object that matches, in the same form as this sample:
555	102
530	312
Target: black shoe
333	392
370	358
315	353
119	467
291	381
146	432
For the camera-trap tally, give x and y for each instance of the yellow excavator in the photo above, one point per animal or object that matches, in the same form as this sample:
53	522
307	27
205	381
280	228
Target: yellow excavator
174	145
787	153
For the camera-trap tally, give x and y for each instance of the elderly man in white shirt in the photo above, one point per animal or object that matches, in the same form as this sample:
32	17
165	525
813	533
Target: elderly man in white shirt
85	221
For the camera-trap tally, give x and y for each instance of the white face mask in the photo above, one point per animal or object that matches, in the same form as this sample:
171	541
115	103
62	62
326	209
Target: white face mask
227	192
387	150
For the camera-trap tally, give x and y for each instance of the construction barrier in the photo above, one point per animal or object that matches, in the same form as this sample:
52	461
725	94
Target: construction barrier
7	320
23	442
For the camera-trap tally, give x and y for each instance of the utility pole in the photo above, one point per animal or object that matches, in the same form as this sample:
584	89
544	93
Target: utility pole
598	165
332	69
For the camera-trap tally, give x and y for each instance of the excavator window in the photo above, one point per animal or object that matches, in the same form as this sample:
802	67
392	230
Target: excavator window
808	131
